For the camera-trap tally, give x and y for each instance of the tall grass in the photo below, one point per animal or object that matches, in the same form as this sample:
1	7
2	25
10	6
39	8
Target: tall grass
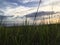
30	35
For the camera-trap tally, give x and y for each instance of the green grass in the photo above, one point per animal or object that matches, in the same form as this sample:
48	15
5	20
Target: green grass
30	35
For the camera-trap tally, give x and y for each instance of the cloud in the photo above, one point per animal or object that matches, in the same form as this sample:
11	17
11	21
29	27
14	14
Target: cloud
22	10
26	3
13	8
23	7
18	11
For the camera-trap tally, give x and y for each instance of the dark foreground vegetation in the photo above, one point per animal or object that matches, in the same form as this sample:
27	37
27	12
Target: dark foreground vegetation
30	35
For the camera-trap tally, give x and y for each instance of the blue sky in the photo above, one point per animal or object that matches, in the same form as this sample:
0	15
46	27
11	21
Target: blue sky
22	7
17	6
27	3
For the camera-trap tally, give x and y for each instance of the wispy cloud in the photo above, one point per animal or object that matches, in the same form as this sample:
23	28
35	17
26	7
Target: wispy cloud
22	7
11	7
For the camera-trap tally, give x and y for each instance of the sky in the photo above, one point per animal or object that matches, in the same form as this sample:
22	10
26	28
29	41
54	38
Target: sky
23	7
16	7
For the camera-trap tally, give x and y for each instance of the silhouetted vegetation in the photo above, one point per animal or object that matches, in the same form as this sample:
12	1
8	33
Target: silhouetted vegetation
30	35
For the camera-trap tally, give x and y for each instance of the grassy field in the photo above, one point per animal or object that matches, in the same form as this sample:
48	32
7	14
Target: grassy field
30	35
